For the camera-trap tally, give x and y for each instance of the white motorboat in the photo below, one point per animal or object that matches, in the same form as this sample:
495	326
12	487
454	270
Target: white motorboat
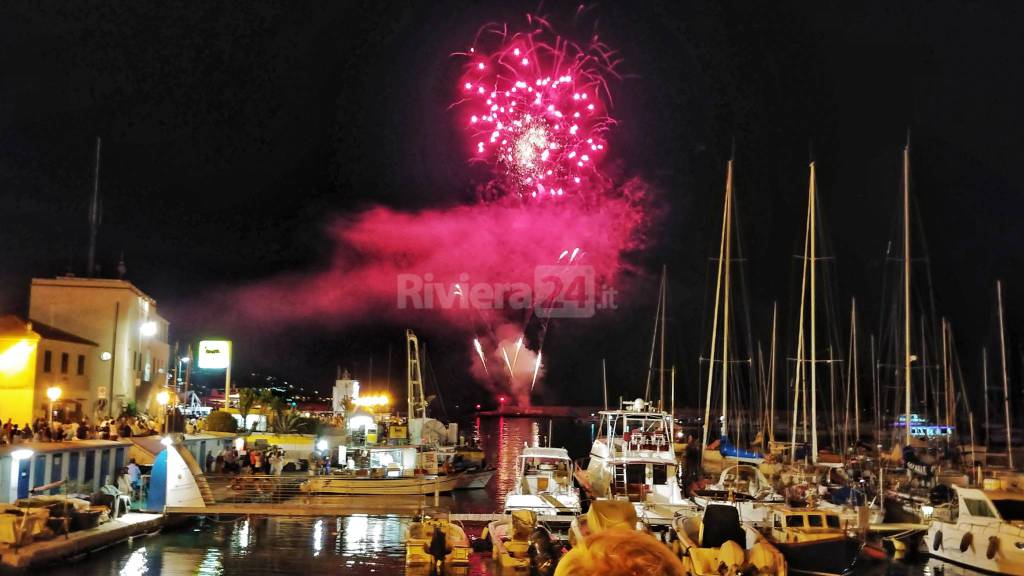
981	529
633	459
544	483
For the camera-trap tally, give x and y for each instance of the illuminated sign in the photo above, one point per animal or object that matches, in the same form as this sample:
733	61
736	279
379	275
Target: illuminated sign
214	354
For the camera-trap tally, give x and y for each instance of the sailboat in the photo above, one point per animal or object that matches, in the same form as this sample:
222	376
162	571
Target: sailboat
724	448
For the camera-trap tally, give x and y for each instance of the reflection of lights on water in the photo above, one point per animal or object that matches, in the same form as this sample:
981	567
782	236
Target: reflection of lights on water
242	535
136	564
211	565
354	532
318	536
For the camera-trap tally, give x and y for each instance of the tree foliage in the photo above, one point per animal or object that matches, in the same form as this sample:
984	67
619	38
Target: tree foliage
221	421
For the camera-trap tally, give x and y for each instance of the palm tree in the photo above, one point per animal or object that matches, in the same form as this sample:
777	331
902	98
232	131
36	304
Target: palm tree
247	398
266	400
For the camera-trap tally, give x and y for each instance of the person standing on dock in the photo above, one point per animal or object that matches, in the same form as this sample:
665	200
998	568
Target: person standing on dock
134	475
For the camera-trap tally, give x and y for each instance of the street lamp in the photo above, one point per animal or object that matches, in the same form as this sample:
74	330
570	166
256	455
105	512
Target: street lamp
162	398
148	328
53	393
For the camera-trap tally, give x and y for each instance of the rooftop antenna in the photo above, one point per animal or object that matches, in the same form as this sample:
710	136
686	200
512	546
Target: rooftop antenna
94	213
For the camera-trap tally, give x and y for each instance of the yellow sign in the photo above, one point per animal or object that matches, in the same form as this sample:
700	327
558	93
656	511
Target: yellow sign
214	354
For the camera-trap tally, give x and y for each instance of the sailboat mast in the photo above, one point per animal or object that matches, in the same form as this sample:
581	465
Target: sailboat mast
856	375
718	288
906	289
771	377
726	304
812	214
661	353
1006	380
94	213
800	363
984	379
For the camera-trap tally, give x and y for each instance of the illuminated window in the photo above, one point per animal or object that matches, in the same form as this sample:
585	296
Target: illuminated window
63	362
47	361
81	364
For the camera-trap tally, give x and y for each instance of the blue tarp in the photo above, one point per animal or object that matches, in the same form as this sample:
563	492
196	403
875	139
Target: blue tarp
727	450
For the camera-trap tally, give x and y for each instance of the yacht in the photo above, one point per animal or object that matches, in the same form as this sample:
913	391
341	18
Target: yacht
544	483
633	459
981	529
744	487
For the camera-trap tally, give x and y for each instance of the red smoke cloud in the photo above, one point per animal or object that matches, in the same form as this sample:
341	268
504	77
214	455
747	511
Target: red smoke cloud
498	243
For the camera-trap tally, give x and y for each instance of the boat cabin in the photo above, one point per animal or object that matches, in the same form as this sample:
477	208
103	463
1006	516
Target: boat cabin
637	430
544	471
804	524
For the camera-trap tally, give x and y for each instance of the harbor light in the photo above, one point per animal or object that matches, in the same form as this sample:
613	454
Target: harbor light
148	329
372	401
321	445
53	393
22	454
163	398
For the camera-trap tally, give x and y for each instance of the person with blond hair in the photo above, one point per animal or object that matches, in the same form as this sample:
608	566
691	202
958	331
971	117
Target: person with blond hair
620	552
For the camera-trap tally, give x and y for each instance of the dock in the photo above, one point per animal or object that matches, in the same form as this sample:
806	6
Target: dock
44	552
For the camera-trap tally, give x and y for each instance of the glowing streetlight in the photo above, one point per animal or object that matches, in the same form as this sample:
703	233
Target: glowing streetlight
53	393
148	328
162	398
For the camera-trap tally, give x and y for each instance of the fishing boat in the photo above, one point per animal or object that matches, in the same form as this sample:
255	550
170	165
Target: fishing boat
813	541
632	459
981	529
544	483
718	543
384	470
430	534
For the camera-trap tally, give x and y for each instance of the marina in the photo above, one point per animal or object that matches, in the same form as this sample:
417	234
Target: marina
493	288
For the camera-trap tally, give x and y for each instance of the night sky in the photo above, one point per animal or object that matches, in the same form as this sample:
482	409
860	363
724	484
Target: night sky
235	134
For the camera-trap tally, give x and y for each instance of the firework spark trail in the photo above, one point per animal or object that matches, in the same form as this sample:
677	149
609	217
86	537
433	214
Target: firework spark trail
508	364
534	107
515	356
536	369
480	352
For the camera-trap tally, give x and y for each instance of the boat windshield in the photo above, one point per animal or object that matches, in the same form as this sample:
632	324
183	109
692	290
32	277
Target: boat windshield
1010	510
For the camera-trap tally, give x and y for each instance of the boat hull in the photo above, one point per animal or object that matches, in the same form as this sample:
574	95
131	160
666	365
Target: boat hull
991	548
474	480
379	486
821	557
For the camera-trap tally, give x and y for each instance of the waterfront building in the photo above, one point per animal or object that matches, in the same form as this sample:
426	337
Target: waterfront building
130	360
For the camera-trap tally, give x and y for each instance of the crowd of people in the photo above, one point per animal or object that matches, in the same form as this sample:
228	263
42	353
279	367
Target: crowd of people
108	429
229	460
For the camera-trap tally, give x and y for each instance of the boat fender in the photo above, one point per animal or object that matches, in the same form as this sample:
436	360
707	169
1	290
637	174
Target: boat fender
966	542
993	547
937	541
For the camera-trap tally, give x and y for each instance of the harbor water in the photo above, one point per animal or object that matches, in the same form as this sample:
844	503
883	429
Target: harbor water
355	545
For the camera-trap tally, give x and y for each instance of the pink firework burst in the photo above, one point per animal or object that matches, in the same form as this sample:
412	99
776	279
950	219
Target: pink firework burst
536	109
